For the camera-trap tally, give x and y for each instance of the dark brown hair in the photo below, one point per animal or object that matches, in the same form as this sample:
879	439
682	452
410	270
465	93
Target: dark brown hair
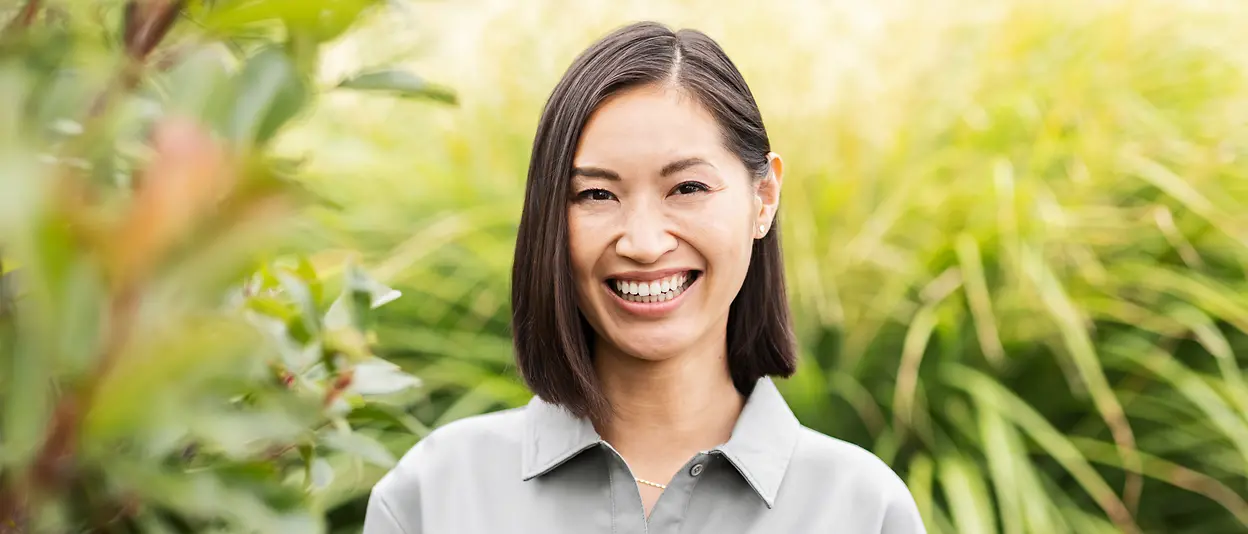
553	341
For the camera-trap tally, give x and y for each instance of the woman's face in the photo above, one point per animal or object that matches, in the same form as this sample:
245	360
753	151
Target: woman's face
662	221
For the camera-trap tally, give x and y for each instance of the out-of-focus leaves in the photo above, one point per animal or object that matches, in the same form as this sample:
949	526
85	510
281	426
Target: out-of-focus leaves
359	445
200	83
401	83
187	176
206	495
322	474
379	377
322	19
361	293
159	380
268	93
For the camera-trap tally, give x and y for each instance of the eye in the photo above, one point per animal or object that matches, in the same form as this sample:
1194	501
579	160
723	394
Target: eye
597	195
689	188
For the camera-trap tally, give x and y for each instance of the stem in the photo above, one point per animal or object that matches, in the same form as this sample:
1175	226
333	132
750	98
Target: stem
25	17
147	24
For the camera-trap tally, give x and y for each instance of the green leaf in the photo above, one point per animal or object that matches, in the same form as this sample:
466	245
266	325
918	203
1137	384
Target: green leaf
919	480
322	474
200	84
400	83
303	298
360	445
376	376
963	486
990	394
268	93
322	19
361	294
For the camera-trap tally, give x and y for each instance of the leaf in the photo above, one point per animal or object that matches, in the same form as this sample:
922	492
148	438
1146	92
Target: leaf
979	298
322	19
390	416
919	480
963	486
1171	473
322	474
361	293
992	395
268	93
399	83
299	292
997	438
1194	387
376	376
359	445
200	83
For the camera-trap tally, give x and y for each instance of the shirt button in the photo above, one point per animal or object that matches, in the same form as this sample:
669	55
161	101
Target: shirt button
695	470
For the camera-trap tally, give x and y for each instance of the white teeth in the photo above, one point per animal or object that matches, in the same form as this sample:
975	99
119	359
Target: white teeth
653	291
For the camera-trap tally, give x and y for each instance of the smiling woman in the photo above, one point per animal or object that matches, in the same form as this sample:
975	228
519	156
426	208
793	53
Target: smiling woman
649	313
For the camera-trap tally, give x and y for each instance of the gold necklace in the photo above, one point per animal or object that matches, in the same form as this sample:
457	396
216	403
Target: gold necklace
648	483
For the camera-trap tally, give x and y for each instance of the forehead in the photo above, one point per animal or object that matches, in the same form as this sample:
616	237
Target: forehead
648	126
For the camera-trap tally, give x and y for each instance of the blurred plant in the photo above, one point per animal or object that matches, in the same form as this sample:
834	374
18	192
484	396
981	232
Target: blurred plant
167	362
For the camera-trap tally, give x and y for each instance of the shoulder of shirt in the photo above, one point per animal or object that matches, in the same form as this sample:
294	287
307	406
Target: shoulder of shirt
821	454
452	446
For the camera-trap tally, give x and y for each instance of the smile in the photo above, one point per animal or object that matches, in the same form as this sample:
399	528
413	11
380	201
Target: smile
653	291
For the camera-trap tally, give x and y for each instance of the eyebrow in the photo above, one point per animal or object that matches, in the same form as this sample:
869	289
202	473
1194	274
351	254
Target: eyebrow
682	164
668	170
595	172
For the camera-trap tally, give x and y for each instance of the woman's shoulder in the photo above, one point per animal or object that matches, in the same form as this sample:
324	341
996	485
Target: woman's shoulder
843	477
825	456
474	434
458	445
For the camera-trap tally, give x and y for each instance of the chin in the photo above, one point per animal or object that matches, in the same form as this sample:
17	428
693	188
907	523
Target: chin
654	352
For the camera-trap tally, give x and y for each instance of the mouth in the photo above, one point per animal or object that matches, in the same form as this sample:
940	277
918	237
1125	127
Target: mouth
655	291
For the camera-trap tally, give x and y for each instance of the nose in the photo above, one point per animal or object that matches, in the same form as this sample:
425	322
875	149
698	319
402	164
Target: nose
646	236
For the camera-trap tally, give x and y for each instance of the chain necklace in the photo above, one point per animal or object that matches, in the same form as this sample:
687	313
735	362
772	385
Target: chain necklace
648	483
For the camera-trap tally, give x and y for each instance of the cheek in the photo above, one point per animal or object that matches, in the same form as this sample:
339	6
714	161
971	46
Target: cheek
721	230
584	243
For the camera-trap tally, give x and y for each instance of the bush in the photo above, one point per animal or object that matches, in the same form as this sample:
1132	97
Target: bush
170	362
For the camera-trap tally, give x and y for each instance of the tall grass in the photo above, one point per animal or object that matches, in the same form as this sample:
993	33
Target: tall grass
1016	234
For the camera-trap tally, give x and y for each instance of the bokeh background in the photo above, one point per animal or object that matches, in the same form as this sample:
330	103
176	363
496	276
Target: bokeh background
1016	236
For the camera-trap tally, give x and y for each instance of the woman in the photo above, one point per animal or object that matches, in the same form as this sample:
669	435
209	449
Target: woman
649	310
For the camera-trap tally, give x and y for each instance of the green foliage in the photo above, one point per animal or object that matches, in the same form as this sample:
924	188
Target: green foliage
168	363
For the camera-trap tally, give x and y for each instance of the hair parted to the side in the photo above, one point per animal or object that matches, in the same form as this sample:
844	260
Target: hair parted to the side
553	341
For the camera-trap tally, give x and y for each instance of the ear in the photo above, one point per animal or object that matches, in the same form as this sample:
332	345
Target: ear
767	195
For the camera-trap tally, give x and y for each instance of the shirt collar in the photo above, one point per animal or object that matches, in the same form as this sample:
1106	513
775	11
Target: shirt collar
760	447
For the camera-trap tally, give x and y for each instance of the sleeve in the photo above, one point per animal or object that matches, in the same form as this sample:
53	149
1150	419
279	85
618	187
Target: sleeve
380	519
395	504
902	515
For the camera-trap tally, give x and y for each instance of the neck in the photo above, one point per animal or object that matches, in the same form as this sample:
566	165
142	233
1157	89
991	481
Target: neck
668	410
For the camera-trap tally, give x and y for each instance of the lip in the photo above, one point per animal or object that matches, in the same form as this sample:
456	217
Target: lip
653	309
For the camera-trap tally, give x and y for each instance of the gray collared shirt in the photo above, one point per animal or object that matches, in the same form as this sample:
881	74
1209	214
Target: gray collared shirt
539	469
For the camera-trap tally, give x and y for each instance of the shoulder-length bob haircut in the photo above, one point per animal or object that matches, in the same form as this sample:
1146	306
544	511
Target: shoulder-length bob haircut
553	341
